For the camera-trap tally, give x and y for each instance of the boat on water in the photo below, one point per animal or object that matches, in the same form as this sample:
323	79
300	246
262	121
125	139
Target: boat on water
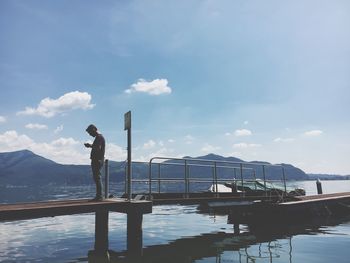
256	187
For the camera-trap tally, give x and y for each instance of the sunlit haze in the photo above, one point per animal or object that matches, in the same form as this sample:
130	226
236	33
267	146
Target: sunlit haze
258	80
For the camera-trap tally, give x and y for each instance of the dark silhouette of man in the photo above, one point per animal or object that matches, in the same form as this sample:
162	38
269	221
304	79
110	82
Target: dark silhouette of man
97	158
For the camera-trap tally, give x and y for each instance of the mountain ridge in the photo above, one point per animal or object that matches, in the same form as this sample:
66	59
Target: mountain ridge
27	168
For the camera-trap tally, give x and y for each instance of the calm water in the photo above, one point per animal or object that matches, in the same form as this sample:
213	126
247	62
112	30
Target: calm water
172	234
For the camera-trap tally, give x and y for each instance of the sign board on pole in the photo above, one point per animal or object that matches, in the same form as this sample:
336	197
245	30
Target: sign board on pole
127	121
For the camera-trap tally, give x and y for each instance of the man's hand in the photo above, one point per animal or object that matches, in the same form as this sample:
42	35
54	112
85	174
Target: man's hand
87	145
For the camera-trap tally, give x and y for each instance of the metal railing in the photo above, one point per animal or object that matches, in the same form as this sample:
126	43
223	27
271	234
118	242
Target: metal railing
241	171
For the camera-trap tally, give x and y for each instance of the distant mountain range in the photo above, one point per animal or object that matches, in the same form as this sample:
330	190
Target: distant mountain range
26	168
328	177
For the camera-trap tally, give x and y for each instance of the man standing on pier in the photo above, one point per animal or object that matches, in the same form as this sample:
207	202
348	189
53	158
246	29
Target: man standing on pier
97	158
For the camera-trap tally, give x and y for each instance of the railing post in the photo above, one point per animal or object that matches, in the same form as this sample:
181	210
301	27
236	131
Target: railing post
213	173
235	173
241	167
106	179
150	180
158	177
284	180
254	175
188	178
185	182
264	176
216	179
319	186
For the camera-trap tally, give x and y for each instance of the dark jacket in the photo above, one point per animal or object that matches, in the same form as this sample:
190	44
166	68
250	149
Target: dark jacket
98	148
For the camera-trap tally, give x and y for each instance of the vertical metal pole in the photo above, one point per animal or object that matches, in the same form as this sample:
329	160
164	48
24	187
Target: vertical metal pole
284	180
158	177
241	167
234	169
319	186
126	180
150	180
186	190
127	126
264	176
129	163
106	179
213	171
216	178
188	178
254	175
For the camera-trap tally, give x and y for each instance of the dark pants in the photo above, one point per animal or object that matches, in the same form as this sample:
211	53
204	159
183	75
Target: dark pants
96	166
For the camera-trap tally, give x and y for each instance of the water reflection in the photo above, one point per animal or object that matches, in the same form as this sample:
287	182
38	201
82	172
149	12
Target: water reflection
254	243
69	238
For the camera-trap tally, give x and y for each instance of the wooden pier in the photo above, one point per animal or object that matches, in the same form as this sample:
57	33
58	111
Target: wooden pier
11	212
241	210
134	210
302	209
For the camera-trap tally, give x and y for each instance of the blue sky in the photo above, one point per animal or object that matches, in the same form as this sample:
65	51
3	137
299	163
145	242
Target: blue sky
258	80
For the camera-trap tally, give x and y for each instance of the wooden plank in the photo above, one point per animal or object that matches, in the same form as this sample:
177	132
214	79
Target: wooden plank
311	197
200	200
45	204
319	198
69	207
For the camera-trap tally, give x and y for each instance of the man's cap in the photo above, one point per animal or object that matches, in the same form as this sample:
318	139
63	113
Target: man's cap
91	127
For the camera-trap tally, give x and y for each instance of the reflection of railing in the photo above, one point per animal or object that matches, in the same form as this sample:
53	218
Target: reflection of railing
273	249
217	247
240	170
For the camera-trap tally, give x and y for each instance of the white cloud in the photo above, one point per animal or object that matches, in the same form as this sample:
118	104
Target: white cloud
189	139
115	152
243	132
313	133
207	148
171	140
36	126
162	152
70	101
244	145
284	139
2	119
227	134
12	141
62	142
245	122
58	129
154	87
149	145
62	150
